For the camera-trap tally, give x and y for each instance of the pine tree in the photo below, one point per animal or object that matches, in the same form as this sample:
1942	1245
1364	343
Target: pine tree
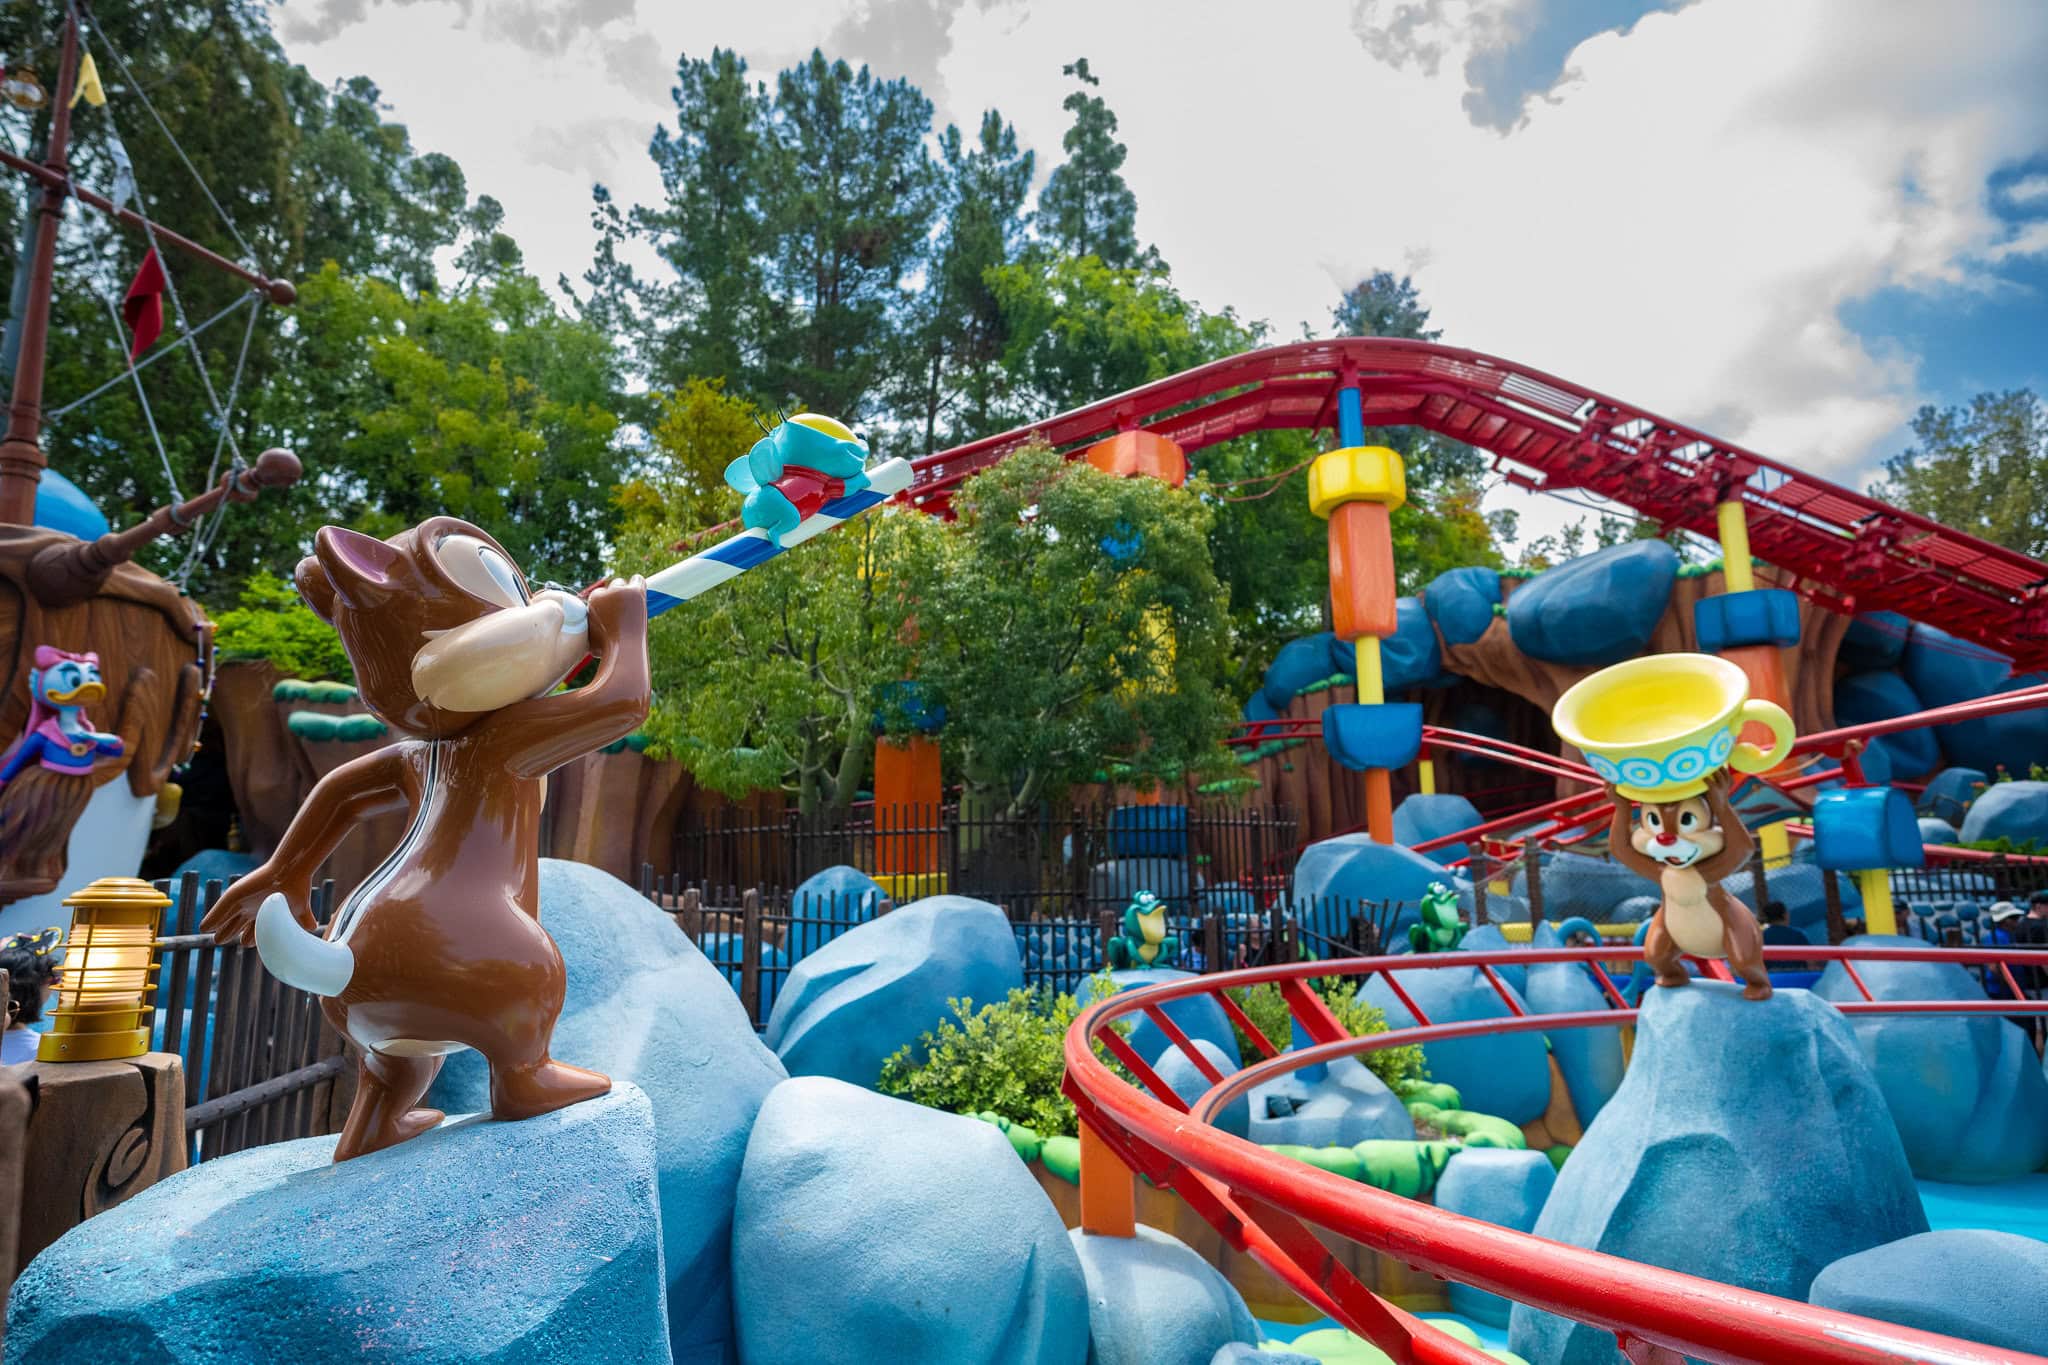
1086	209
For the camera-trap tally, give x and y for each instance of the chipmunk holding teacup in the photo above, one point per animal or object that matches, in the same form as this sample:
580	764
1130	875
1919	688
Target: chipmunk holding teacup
441	948
1687	847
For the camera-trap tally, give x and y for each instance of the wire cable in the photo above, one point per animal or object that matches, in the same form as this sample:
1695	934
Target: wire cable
55	414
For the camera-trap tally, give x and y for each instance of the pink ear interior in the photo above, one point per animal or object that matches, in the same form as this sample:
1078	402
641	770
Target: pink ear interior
359	567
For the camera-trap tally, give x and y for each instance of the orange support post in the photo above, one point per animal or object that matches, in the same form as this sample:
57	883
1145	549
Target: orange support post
1109	1192
908	791
1361	571
1379	805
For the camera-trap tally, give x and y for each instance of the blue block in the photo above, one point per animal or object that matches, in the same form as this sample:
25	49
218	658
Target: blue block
1148	832
1388	735
1760	616
1461	601
1863	827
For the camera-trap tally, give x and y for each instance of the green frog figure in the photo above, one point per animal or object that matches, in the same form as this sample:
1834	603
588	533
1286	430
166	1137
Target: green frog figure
1441	930
1144	941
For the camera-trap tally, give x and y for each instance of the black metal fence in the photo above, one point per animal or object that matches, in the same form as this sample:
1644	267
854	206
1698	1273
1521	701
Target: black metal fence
1058	863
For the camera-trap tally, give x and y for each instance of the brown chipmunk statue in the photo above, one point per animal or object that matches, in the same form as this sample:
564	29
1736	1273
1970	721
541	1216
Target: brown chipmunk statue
442	948
1687	847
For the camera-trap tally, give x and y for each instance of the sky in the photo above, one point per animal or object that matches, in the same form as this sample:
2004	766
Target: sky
1789	223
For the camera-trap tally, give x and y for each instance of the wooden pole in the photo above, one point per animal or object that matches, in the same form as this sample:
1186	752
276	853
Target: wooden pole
1838	929
1535	868
750	954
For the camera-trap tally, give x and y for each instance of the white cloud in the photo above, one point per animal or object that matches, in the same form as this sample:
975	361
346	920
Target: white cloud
1678	223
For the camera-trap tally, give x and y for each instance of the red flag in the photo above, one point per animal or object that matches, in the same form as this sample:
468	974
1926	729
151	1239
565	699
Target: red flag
143	309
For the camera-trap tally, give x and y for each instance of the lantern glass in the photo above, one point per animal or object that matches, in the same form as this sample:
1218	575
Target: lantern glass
107	982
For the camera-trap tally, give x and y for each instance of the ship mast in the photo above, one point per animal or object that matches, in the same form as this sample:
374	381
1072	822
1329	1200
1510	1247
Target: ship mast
21	454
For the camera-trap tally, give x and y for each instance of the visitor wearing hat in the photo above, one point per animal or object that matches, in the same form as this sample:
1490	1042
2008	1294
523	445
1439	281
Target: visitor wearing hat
2031	932
1999	922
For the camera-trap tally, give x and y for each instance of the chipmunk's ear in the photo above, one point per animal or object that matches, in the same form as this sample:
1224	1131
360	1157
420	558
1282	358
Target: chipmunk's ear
316	587
360	569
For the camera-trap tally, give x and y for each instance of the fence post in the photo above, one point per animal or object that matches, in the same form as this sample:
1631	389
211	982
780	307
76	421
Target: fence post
690	914
1212	943
750	954
1276	935
1481	876
1837	930
1531	858
1759	880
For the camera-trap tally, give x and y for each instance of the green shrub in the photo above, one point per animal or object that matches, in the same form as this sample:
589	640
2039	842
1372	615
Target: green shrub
270	622
1264	1006
1003	1058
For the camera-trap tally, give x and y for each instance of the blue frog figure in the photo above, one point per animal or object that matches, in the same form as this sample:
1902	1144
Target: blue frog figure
795	470
58	734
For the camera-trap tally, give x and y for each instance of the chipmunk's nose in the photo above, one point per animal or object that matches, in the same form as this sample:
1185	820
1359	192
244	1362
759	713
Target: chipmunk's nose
1667	838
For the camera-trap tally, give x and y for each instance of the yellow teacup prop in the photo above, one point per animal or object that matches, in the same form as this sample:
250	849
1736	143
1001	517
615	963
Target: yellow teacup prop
1657	726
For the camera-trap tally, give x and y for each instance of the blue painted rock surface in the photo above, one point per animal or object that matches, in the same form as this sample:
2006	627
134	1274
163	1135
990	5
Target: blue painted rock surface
1256	707
538	1240
1948	794
1864	697
1597	609
1802	887
876	988
1501	1187
1634	910
1876	639
1989	1287
1488	938
1933	831
1420	818
834	900
727	952
1412	655
1461	602
1187	1081
2009	810
1237	1353
1199	1017
1967	1094
1507	1075
1152	1300
1589	1059
1761	1122
1112	884
1339	1105
872	1229
1299	664
1335	875
1574	884
645	1006
1944	670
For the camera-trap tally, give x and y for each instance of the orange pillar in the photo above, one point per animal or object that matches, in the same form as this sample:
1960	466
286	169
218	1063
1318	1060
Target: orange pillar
908	793
1109	1192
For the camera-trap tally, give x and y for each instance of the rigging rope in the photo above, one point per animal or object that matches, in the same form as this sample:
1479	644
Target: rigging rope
50	418
148	417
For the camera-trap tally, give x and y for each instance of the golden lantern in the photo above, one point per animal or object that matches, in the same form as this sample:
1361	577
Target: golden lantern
107	988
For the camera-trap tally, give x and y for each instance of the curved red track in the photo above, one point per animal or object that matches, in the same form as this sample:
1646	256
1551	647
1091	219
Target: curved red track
1852	553
1265	1204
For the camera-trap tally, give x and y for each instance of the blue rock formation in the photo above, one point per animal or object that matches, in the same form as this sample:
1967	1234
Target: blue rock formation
872	1229
1335	875
1597	609
1876	639
885	984
2009	810
1337	1105
1187	1081
1574	884
1488	938
1748	1143
1966	1092
1944	670
645	1007
1948	794
1152	1300
1802	888
1199	1016
1933	831
1461	602
837	899
538	1240
1237	1353
1506	1075
1420	818
1989	1287
1498	1186
1299	664
1634	910
1864	697
1589	1059
1411	656
727	952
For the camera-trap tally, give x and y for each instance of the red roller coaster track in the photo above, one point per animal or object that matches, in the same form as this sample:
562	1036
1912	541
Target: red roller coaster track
1852	553
1265	1204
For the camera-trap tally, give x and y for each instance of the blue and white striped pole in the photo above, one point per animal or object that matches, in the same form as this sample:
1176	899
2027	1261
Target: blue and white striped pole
733	556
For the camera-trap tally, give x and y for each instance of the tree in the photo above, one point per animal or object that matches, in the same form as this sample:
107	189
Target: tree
1381	306
1982	469
1069	620
1086	209
680	487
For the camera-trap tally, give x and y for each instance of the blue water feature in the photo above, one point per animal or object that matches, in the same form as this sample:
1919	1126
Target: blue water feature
2016	1206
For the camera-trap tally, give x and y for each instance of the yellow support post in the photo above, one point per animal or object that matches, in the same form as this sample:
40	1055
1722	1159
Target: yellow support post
1878	915
1425	774
1736	570
1776	845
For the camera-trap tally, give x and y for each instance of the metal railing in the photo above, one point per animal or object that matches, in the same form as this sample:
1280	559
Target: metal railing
1266	1204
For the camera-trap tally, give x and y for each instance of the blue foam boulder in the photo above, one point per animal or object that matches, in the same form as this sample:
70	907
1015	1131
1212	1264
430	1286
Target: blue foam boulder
1337	1104
1862	698
1299	664
1411	656
1574	884
2009	810
481	1240
1948	794
62	506
1335	876
1257	708
886	983
727	952
1198	1016
1876	639
1634	910
1148	832
1758	1119
644	1006
1597	609
1495	1185
1420	818
870	1228
1153	1300
1506	1075
1801	886
1488	938
1966	1092
1461	602
1944	670
1982	1286
826	904
1589	1059
1186	1080
1934	831
1237	1353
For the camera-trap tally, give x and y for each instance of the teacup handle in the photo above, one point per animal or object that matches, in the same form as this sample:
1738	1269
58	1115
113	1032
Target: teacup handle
1747	758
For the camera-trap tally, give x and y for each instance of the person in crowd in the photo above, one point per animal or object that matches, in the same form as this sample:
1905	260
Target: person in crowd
2031	933
1996	931
1778	926
30	962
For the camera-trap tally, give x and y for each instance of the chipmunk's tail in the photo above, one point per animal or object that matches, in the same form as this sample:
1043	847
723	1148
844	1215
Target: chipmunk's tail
298	957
